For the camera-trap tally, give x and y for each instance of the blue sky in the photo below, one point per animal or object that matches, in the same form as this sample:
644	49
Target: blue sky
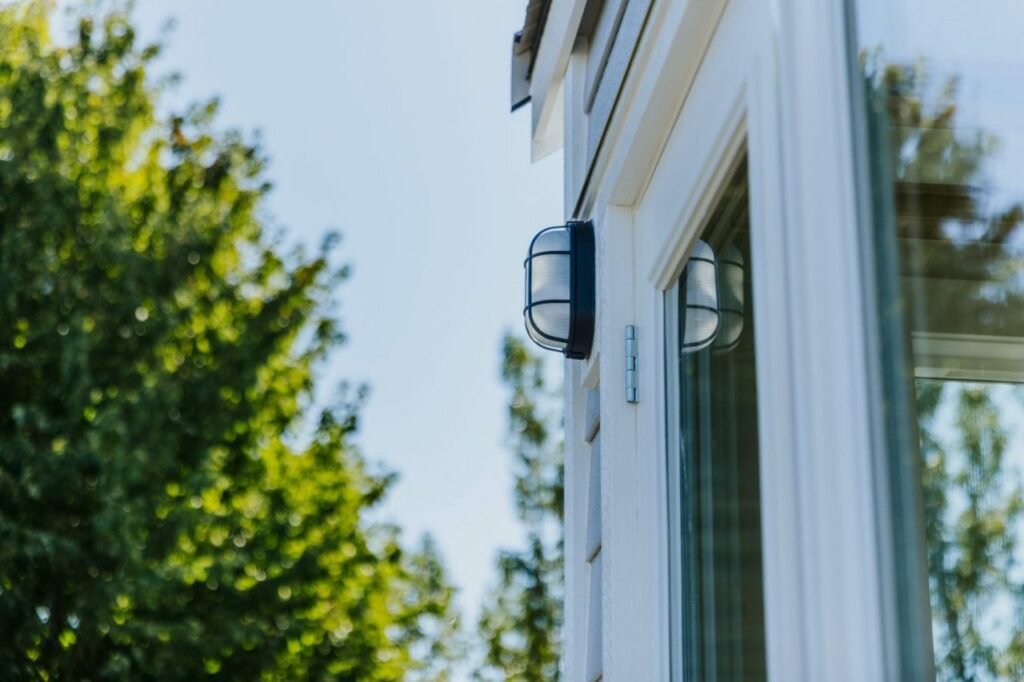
389	121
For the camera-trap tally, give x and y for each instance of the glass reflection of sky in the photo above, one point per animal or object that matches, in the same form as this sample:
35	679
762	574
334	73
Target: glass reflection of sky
980	44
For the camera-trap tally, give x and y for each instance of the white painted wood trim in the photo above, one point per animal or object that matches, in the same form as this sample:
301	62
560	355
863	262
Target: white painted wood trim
602	38
823	589
670	483
699	152
694	168
635	545
837	580
574	159
652	489
560	29
577	474
664	65
771	283
634	609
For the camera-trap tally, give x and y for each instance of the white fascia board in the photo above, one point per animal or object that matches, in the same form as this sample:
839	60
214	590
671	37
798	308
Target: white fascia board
560	29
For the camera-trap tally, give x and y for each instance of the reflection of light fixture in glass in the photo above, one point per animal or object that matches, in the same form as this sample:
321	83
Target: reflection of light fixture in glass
560	303
701	315
730	299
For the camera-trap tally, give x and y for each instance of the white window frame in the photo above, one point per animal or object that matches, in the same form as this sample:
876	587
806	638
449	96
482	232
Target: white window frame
707	77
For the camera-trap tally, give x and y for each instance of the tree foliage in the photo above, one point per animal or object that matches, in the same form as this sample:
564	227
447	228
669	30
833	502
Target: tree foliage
170	507
521	626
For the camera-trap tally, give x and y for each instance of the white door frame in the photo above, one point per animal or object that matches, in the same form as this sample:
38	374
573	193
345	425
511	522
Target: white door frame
707	77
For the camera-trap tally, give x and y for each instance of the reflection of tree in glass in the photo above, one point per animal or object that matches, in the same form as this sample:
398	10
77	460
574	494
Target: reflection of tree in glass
973	504
960	246
960	265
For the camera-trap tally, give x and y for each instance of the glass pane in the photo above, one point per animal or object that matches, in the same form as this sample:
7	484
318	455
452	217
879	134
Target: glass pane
548	272
552	321
549	275
556	239
943	85
720	614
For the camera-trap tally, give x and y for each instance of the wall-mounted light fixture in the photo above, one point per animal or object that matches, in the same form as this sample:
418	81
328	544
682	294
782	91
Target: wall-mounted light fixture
560	304
701	313
730	299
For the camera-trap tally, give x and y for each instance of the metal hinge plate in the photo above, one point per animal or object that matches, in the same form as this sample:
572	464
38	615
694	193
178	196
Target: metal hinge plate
632	383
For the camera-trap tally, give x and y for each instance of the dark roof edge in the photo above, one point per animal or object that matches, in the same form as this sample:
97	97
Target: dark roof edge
524	50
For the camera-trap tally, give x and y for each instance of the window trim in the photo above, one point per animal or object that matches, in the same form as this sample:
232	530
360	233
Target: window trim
727	159
823	587
788	88
695	162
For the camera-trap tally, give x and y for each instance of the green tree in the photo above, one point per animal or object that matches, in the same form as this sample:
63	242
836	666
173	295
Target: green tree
170	504
521	625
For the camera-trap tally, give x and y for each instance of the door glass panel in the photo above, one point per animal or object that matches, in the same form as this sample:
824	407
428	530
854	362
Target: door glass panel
718	593
943	86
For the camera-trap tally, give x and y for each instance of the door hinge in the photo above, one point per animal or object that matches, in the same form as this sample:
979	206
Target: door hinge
632	388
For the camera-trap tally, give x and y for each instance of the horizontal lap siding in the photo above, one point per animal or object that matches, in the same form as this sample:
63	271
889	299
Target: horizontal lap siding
592	552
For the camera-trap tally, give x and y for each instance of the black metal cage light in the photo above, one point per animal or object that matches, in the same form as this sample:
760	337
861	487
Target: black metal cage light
560	305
